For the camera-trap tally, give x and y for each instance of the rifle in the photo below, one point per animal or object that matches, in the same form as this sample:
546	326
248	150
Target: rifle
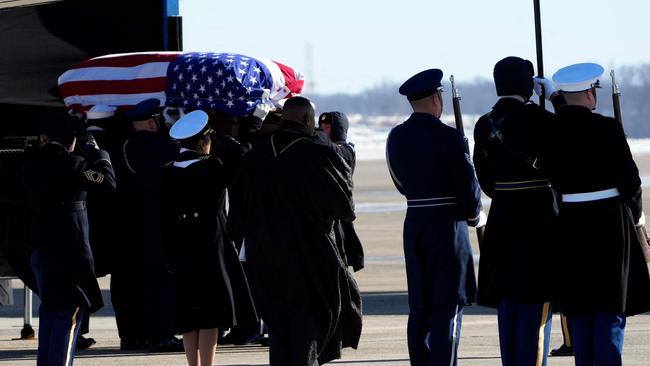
538	47
616	98
458	116
641	232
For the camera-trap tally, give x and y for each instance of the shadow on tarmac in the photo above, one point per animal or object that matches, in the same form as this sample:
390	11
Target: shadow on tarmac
396	303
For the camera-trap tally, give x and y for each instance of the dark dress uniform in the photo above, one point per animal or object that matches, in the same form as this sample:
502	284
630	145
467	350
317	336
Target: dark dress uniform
606	277
142	286
146	153
57	183
290	192
521	231
210	287
430	165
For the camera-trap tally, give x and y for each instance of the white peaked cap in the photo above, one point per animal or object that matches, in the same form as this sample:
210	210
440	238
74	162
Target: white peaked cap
189	125
100	111
577	77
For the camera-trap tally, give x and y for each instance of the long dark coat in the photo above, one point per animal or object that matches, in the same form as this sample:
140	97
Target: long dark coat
603	268
57	183
145	154
428	159
519	247
211	289
346	236
292	191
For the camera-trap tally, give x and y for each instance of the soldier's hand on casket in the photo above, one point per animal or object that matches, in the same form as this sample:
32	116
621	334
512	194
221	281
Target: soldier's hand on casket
261	111
549	89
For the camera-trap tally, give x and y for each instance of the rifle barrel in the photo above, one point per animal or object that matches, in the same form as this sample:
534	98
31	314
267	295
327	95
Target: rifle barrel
616	99
458	115
538	43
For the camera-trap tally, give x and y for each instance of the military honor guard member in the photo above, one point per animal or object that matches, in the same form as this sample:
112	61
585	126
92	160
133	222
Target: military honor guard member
57	183
430	165
142	287
514	275
210	287
605	277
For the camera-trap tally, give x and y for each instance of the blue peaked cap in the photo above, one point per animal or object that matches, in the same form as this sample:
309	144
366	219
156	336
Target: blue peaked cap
422	84
143	110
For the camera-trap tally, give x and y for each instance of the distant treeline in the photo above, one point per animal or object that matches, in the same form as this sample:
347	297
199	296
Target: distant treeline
478	97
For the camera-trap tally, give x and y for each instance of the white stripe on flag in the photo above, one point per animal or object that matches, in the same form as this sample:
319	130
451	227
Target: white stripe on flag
148	70
279	90
114	99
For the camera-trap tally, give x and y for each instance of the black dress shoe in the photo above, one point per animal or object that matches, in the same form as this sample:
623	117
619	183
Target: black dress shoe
133	345
168	345
564	350
83	342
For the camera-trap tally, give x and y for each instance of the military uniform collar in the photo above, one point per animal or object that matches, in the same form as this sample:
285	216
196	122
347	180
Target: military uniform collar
576	109
419	116
187	154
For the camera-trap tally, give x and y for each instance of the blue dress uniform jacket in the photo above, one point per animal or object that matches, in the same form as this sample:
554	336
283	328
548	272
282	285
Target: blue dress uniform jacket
57	184
430	165
521	230
603	267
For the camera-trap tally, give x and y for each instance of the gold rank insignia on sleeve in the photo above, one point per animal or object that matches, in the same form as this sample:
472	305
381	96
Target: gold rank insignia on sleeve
94	176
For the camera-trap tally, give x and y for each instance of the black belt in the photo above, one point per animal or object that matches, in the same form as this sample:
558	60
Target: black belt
521	185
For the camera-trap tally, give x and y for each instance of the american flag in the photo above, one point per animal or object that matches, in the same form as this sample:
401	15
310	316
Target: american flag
228	82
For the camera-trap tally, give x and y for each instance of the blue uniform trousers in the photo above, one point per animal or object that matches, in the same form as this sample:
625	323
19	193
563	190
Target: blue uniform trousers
598	339
434	335
57	335
524	333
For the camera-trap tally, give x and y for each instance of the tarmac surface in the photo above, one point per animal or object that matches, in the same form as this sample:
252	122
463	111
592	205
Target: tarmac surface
385	306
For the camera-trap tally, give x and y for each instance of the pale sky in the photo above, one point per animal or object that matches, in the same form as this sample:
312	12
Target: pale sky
357	44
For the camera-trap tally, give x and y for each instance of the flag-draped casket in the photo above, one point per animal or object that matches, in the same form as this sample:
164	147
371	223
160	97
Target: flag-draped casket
231	83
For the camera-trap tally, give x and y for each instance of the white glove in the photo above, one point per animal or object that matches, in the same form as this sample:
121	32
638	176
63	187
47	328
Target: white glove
549	88
641	220
478	221
482	219
261	110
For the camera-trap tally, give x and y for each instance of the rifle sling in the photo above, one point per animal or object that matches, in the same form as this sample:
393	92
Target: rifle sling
496	135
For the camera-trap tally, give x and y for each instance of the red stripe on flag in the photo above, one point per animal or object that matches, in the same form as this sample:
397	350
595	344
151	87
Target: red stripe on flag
94	87
290	78
128	60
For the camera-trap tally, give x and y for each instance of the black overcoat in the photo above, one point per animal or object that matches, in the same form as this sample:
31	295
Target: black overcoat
57	184
211	289
292	191
519	247
603	268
